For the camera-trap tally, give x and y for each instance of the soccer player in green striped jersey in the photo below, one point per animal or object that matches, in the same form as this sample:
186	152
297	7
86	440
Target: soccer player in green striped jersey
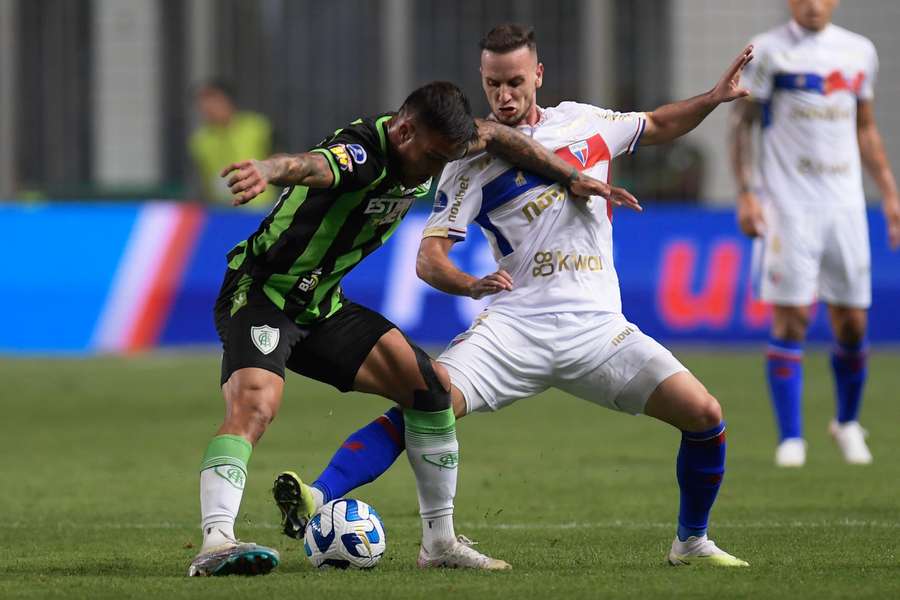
281	303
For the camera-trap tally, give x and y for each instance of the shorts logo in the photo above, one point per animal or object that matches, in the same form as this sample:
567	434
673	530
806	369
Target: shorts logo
440	202
357	153
580	150
339	151
445	460
265	338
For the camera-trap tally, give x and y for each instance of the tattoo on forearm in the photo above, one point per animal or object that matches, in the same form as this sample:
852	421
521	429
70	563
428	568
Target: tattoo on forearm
524	152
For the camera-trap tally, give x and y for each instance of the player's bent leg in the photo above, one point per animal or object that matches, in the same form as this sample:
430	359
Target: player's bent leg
784	374
252	398
849	367
682	401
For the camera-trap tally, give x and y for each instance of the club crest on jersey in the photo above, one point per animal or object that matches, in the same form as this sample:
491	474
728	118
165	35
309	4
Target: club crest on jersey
357	153
265	338
581	151
339	151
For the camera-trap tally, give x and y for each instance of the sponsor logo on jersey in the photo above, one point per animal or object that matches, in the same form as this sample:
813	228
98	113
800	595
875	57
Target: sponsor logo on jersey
357	153
581	151
339	151
549	262
309	283
458	198
520	179
387	210
445	460
533	209
265	338
440	201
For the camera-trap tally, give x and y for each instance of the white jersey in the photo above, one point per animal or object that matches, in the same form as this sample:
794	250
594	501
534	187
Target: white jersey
557	250
809	84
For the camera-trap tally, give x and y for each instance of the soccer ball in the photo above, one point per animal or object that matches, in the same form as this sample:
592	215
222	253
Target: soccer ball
345	533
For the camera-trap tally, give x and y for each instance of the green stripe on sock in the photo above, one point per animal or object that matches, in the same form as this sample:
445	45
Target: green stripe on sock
430	423
227	450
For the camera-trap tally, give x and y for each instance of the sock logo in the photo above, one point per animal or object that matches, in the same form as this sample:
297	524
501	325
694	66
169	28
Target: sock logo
232	475
445	460
265	338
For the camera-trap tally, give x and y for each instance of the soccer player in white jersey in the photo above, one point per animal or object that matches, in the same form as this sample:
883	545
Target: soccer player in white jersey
812	88
556	320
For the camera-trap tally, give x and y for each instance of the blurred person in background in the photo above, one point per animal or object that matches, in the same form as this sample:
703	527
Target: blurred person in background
227	135
812	97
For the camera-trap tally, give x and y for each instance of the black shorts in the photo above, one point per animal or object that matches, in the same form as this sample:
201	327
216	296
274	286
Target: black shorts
259	334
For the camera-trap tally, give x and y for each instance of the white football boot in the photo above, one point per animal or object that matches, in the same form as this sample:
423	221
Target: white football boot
461	555
791	453
851	439
701	551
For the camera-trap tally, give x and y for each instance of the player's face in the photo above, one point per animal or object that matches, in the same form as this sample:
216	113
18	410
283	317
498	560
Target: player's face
812	14
510	82
214	106
423	153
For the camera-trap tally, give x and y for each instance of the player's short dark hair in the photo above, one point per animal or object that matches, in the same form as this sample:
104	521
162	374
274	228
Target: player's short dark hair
219	84
443	108
508	37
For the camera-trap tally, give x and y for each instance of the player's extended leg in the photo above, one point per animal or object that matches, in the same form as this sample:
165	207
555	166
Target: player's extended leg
682	401
252	397
848	364
362	458
397	369
784	373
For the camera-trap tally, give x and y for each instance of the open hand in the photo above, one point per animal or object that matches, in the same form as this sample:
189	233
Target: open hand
248	181
729	86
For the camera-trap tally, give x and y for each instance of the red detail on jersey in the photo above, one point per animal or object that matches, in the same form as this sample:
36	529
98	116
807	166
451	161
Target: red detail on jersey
836	82
679	307
596	151
353	446
166	281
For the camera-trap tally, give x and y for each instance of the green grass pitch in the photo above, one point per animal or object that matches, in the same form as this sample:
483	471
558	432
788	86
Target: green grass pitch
99	490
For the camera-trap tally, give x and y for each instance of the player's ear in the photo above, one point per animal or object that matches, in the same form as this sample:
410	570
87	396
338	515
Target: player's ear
406	131
539	75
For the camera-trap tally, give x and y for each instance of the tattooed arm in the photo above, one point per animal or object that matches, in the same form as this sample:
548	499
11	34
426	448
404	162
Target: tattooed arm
251	177
524	152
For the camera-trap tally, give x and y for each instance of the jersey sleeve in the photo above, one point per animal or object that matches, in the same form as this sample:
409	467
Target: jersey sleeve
354	155
621	131
457	203
759	73
867	91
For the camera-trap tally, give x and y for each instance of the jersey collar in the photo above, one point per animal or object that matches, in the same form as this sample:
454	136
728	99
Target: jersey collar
801	33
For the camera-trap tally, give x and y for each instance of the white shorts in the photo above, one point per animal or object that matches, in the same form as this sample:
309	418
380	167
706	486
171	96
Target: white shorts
598	357
810	255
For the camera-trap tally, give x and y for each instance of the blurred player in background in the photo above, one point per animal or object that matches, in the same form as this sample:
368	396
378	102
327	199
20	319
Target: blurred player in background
281	304
557	318
812	89
227	135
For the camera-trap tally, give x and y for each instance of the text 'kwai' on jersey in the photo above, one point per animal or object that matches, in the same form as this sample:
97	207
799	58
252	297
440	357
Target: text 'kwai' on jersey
558	249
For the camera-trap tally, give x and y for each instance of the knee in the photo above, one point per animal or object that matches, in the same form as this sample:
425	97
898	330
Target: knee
791	323
706	413
851	329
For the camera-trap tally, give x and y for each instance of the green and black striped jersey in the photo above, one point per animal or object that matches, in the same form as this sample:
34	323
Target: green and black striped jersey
313	237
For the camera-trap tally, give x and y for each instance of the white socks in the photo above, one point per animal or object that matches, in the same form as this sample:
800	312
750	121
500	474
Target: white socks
221	490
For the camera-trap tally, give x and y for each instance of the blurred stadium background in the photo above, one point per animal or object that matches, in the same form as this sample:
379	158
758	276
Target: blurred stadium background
110	251
98	102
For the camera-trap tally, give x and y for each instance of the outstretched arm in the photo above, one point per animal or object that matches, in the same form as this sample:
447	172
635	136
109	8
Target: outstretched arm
674	120
434	267
871	150
251	177
524	152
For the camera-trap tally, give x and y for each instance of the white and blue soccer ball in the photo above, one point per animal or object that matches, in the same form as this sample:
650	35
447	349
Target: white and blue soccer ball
345	533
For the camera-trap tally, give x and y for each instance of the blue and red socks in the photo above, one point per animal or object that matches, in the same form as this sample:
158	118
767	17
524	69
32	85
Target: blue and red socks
700	468
849	363
784	372
364	456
